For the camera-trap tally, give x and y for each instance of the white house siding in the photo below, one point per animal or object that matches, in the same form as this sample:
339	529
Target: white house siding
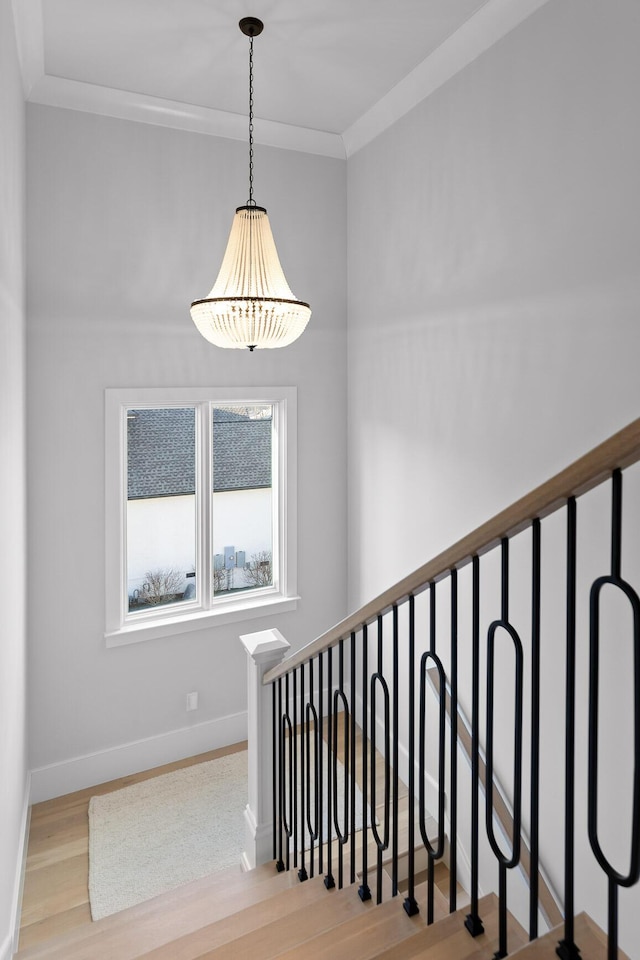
161	531
161	535
242	518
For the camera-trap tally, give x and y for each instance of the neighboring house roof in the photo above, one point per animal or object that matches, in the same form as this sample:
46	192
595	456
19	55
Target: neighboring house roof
161	452
241	451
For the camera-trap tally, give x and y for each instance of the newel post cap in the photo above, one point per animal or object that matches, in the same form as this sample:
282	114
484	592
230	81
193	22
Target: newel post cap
265	646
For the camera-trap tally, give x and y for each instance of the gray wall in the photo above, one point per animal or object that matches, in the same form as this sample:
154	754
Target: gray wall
13	760
493	337
127	223
494	285
494	301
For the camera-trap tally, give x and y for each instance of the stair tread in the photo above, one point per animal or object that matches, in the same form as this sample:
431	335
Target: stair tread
359	938
210	917
209	920
448	939
360	932
332	909
590	939
159	920
268	927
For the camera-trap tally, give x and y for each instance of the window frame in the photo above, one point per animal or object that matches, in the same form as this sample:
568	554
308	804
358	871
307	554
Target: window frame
206	611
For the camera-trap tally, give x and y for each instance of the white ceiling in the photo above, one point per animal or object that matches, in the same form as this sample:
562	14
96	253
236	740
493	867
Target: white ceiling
334	72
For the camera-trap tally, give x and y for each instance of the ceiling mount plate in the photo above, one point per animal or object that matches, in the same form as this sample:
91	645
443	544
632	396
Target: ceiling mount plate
251	26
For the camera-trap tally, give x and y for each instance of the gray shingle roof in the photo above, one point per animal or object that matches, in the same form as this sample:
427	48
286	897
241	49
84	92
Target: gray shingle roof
241	452
161	452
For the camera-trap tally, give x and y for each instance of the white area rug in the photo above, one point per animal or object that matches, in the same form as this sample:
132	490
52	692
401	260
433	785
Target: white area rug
159	834
167	831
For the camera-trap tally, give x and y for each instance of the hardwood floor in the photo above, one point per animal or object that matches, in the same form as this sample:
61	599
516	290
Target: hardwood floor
56	898
262	914
56	894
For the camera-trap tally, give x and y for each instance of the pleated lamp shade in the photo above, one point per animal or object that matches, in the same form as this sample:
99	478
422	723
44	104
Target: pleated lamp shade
251	304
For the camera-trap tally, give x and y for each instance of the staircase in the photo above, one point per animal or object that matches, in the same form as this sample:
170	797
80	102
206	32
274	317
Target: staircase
359	696
482	626
262	914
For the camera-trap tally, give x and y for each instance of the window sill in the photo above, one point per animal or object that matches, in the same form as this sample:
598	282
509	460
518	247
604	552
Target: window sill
200	620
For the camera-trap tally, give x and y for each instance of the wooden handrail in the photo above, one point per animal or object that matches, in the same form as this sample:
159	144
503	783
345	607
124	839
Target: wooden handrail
620	450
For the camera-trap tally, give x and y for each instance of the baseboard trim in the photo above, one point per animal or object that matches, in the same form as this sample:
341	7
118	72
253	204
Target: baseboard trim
21	865
58	779
6	951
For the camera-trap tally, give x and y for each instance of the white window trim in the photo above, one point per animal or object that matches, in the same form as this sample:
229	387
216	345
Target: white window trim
201	614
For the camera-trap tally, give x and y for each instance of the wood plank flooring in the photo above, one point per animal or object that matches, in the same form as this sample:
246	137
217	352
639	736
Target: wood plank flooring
56	891
261	914
56	897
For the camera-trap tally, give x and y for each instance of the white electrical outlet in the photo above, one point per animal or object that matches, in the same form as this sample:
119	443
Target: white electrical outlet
192	701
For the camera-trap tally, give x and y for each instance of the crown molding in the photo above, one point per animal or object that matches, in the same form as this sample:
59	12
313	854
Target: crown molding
124	105
488	25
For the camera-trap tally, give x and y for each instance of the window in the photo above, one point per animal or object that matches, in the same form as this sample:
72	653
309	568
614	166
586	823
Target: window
200	508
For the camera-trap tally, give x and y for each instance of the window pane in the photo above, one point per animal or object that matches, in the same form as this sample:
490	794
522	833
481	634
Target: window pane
242	509
161	509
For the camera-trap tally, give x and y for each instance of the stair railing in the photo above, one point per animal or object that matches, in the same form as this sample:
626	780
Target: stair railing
545	898
327	722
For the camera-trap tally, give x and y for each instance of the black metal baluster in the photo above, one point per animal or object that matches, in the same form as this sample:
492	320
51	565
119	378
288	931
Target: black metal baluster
280	861
302	872
364	891
505	862
612	920
352	813
333	825
615	878
287	769
430	860
382	843
616	525
433	852
567	949
410	903
312	718
394	828
320	764
329	881
453	761
294	747
274	756
502	912
473	923
535	728
342	831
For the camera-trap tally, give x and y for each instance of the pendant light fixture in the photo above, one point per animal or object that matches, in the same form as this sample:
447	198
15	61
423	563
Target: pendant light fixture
251	304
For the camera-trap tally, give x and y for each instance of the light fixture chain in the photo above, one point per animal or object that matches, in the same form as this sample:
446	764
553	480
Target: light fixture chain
251	121
250	304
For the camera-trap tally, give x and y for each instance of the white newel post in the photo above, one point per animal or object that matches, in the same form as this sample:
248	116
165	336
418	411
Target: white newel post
265	649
